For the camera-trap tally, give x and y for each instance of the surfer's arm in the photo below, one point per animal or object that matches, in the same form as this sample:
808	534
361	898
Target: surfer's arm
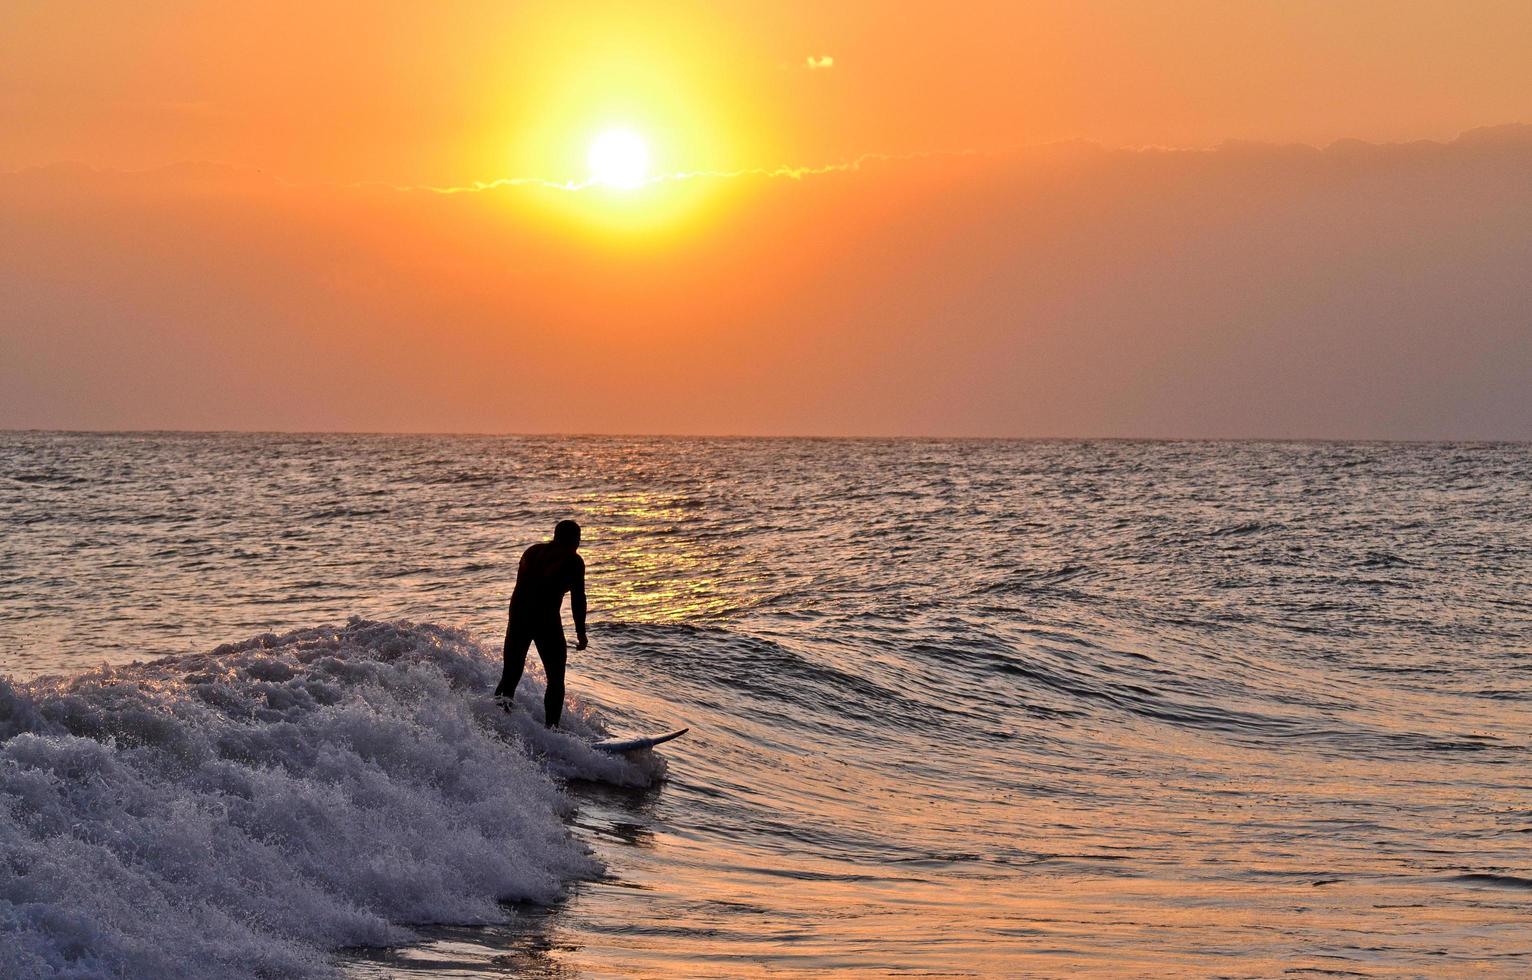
577	603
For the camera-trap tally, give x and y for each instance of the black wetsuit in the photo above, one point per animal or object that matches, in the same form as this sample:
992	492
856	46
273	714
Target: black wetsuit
546	572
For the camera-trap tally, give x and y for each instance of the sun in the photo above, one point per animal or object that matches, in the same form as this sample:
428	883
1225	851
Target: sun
618	158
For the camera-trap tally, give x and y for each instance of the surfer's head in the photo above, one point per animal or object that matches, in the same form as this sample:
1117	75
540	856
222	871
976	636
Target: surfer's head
567	533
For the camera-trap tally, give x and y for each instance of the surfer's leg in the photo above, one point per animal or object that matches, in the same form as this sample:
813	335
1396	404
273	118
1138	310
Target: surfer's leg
553	651
516	643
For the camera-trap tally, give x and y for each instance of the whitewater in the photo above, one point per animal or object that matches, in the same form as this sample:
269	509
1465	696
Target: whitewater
963	707
245	810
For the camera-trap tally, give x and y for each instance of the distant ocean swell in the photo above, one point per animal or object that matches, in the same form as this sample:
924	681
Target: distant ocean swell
241	812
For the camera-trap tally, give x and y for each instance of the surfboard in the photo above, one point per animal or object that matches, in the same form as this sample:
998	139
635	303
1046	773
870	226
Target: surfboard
634	744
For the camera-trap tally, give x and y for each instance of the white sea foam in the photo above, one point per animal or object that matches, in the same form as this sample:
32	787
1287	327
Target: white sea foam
238	813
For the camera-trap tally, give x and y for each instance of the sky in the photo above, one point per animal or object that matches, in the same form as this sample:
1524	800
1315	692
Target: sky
1180	219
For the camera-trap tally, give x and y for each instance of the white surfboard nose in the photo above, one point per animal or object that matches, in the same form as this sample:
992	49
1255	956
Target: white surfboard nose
634	744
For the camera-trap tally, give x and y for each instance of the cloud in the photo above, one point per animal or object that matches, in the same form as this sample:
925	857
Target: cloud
1510	136
784	171
819	63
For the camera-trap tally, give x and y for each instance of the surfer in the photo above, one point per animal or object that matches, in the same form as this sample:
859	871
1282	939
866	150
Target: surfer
547	571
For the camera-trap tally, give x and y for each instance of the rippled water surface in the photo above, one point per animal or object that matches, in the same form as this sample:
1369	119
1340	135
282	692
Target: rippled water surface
957	707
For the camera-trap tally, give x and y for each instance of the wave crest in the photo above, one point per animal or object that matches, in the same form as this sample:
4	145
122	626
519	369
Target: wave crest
241	811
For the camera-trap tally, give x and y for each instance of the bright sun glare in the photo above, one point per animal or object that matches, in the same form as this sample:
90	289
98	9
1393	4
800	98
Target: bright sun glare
618	158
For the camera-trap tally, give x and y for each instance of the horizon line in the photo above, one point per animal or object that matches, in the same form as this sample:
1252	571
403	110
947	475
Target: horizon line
486	434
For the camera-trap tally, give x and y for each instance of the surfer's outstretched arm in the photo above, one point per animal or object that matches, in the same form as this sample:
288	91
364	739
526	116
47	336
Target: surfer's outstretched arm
577	603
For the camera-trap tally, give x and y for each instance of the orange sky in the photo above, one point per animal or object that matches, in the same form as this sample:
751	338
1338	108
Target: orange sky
411	92
964	278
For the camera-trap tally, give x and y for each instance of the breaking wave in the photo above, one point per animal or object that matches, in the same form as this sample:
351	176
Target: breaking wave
242	812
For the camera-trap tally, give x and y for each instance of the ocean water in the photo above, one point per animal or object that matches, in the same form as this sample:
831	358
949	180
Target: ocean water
957	708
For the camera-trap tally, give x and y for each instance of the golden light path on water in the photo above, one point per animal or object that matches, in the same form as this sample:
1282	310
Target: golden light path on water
655	582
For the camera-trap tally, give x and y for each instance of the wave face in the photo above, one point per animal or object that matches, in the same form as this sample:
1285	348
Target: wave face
242	811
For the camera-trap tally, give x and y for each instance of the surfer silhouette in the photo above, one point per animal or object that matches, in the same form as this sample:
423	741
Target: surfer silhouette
547	571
